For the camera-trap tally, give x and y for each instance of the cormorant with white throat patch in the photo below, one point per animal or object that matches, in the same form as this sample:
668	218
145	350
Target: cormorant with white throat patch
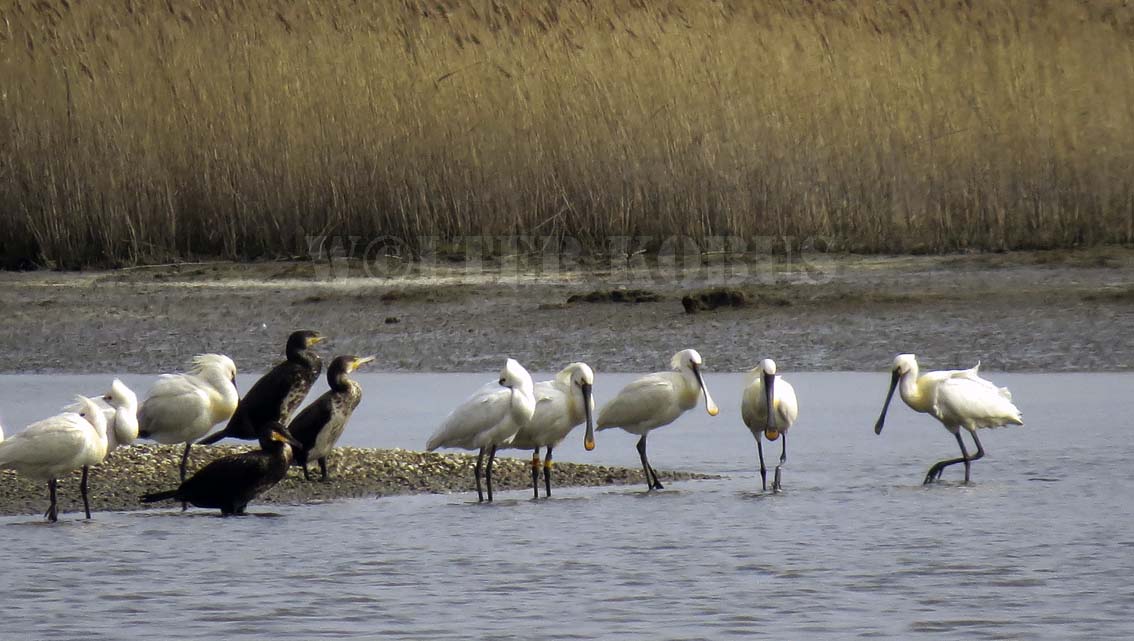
320	424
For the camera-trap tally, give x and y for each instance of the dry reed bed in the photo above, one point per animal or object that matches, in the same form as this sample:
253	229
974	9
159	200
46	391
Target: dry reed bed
138	130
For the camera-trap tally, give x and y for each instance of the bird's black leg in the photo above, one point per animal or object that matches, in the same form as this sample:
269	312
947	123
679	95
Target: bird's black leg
783	459
652	481
476	473
83	491
52	513
979	453
488	471
185	460
184	464
323	467
306	472
763	470
938	468
547	472
535	473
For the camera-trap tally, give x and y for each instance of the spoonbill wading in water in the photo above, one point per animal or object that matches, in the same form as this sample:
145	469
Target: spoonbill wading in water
489	419
957	398
562	404
655	400
768	407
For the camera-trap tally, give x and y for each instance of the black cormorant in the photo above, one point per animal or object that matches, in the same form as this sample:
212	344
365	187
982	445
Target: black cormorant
230	482
320	424
278	393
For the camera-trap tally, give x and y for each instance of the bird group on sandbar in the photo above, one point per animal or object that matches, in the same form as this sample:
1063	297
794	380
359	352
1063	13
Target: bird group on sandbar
511	411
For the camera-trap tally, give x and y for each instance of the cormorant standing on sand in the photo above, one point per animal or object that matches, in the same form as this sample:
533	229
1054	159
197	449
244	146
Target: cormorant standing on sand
320	424
278	393
230	482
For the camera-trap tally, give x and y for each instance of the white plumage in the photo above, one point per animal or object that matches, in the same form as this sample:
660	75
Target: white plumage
956	398
562	404
489	418
655	400
182	408
762	383
58	445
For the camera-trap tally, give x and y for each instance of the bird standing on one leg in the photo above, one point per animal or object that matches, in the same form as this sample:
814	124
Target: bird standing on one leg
769	408
956	398
182	408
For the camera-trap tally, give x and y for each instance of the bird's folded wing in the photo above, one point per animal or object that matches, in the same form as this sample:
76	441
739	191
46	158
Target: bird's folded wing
47	441
481	411
636	399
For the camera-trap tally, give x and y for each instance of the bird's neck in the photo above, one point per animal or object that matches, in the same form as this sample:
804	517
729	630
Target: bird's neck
690	389
341	383
912	393
303	356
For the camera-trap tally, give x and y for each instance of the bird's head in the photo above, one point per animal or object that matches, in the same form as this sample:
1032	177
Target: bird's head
515	376
303	339
120	396
904	363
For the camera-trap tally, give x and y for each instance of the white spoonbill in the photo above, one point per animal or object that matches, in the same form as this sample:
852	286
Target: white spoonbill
655	400
958	398
121	414
182	408
489	419
768	407
562	404
47	449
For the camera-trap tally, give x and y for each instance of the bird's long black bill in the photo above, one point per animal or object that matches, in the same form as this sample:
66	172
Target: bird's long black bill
885	406
769	394
589	437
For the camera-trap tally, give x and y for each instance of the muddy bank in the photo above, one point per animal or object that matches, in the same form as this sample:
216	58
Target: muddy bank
354	473
1054	311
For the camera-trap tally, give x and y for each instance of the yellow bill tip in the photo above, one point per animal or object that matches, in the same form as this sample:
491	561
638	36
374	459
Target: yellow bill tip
589	444
713	411
771	435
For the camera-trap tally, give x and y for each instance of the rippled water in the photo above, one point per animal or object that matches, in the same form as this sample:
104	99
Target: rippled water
1038	547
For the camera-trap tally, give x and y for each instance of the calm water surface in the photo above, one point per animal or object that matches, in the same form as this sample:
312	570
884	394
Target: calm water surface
1038	547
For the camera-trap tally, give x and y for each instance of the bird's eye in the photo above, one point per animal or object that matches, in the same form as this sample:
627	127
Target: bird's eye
502	381
107	397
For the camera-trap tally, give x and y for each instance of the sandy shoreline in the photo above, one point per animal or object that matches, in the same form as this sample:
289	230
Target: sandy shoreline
1050	311
354	473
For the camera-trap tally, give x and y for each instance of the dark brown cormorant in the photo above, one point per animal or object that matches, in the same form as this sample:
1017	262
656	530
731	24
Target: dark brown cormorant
230	482
278	393
320	424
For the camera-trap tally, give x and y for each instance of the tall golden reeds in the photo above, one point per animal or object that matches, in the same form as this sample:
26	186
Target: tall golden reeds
145	130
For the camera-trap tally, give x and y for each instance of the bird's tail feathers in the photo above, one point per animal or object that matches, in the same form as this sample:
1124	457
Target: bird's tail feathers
212	438
154	497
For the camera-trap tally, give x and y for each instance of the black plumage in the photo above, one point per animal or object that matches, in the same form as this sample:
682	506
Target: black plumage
278	393
230	482
320	424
